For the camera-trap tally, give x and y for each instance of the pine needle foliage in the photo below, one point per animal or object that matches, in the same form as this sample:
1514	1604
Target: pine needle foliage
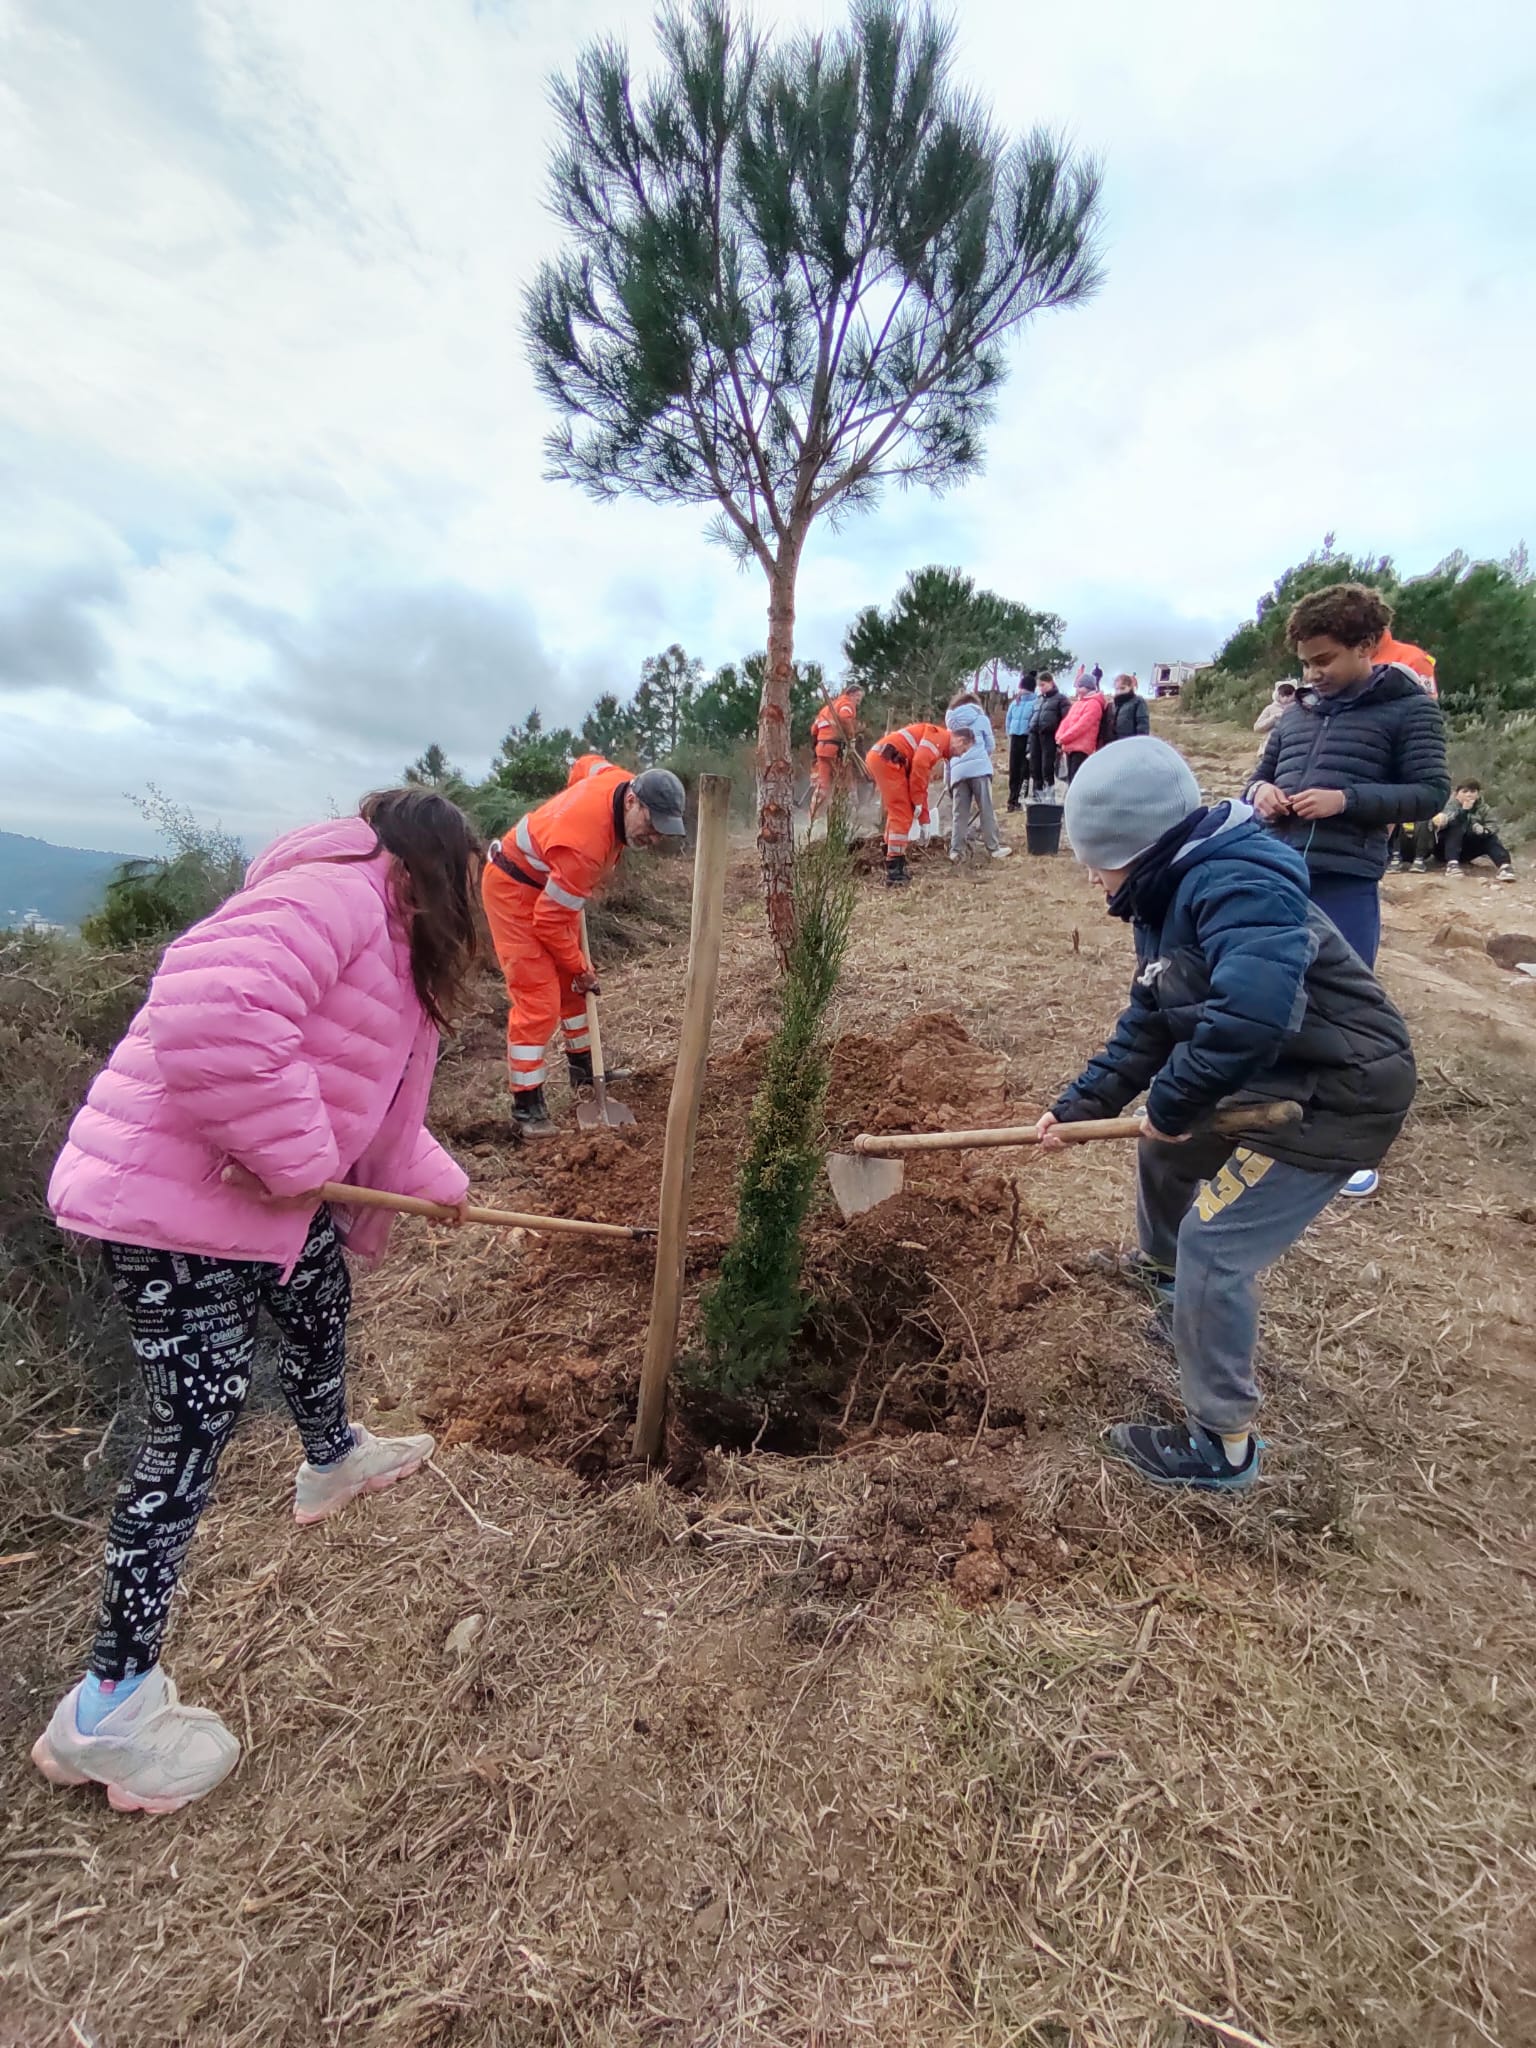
751	1315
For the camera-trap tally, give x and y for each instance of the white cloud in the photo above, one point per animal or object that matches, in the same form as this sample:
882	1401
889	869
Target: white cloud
271	454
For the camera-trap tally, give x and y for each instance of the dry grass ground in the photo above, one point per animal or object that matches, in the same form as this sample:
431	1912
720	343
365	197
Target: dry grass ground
948	1736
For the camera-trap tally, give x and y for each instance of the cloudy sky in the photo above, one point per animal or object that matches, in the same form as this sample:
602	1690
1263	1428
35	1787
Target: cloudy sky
271	510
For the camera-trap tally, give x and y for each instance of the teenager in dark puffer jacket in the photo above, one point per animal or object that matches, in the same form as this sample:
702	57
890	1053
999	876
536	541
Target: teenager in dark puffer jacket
1127	715
1244	991
1362	750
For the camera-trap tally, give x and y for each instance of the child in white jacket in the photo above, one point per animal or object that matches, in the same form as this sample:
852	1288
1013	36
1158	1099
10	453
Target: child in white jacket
970	776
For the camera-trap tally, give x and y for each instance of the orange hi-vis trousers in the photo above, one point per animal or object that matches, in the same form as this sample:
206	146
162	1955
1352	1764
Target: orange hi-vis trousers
828	770
894	782
539	991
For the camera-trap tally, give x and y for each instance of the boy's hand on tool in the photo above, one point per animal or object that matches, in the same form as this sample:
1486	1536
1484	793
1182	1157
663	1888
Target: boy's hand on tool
1048	1132
237	1176
1270	802
1318	803
586	984
1163	1137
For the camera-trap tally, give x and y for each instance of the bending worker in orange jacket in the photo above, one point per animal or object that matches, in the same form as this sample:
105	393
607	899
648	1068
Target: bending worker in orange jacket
900	766
834	730
536	884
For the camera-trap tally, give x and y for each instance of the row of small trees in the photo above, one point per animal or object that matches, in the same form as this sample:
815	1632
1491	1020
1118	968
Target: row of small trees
939	631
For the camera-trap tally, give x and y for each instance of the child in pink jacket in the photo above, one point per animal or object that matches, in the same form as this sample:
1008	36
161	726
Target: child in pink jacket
1080	731
287	1040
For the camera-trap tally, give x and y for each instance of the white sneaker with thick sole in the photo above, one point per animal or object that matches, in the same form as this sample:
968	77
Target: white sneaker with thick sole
1002	853
373	1463
152	1753
1453	867
1361	1184
1505	874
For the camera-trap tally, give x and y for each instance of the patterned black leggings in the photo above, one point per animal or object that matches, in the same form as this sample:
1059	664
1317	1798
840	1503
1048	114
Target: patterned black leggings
193	1323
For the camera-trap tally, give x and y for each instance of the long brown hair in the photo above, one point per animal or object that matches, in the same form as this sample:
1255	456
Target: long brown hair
434	844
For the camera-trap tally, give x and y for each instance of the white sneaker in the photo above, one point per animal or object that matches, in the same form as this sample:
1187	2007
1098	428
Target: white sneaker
1002	853
957	856
1453	867
1505	874
1361	1184
373	1463
152	1753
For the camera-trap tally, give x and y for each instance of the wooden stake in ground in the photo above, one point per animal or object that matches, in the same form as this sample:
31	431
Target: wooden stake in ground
683	1110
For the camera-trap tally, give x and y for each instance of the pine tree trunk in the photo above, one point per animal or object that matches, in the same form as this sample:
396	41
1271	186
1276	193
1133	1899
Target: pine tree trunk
775	765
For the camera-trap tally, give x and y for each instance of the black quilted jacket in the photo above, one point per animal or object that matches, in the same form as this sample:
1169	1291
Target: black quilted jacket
1385	749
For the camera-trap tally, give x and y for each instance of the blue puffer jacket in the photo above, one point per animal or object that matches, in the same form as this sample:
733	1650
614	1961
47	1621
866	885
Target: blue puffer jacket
1020	715
1244	989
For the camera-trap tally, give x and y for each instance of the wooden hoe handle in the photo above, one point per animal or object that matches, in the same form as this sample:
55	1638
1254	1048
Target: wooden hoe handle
1260	1116
509	1219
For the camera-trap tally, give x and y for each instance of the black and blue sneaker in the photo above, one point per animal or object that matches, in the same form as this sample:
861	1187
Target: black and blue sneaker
1182	1454
1137	1269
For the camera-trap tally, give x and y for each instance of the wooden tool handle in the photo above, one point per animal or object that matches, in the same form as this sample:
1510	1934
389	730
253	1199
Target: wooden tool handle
347	1197
599	1071
1260	1116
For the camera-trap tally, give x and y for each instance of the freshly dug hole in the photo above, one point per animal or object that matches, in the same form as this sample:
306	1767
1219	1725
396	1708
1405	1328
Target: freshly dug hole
912	1305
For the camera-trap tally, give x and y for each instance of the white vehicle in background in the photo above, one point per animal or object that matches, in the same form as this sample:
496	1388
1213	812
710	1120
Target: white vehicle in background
1169	677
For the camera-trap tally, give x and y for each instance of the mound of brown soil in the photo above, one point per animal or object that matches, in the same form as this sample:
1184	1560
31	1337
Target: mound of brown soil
950	1311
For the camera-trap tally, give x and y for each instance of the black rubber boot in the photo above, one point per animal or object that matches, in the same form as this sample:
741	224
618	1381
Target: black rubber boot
896	876
579	1068
530	1114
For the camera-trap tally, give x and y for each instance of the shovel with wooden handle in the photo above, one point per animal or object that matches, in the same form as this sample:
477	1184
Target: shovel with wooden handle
873	1172
345	1197
598	1114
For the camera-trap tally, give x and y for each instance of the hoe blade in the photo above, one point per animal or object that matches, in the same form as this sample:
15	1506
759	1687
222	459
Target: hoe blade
598	1111
859	1183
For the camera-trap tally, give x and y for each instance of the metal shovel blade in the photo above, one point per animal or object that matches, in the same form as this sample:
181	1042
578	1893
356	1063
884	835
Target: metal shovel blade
859	1183
598	1111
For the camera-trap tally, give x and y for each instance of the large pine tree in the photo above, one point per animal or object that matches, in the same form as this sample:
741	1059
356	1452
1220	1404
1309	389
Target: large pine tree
789	277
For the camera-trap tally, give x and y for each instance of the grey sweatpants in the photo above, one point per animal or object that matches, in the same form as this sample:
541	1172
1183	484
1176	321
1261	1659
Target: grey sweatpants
1215	1216
975	790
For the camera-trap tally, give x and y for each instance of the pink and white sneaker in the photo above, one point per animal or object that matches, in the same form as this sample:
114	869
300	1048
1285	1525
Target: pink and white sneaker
152	1753
373	1463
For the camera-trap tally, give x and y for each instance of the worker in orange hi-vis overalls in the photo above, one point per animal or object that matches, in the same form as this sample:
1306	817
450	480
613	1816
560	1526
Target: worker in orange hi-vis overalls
834	732
901	766
1405	655
537	882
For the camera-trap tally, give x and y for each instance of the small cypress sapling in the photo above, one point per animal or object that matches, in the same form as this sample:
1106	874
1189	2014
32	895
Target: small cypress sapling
752	1313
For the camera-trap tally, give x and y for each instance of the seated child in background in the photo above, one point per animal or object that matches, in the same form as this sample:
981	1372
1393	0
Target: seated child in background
1467	829
1244	989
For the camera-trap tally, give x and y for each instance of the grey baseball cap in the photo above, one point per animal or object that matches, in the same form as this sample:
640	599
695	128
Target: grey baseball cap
665	798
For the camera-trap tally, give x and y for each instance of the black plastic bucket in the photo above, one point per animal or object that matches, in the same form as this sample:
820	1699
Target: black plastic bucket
1042	827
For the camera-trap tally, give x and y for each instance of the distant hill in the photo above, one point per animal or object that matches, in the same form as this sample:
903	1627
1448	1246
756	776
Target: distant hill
61	883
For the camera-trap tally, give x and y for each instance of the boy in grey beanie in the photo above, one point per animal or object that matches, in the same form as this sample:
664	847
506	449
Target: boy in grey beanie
1246	993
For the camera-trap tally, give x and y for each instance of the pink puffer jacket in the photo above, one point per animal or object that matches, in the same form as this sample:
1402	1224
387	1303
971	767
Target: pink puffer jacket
1079	731
283	1032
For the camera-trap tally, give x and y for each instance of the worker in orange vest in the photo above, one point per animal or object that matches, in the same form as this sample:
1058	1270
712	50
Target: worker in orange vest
537	882
585	765
1406	655
901	766
834	730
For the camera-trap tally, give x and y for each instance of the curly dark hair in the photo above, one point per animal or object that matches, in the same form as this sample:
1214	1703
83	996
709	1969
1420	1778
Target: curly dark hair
1351	613
437	850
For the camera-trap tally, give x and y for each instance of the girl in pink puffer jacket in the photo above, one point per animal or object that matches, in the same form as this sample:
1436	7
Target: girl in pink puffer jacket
287	1040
